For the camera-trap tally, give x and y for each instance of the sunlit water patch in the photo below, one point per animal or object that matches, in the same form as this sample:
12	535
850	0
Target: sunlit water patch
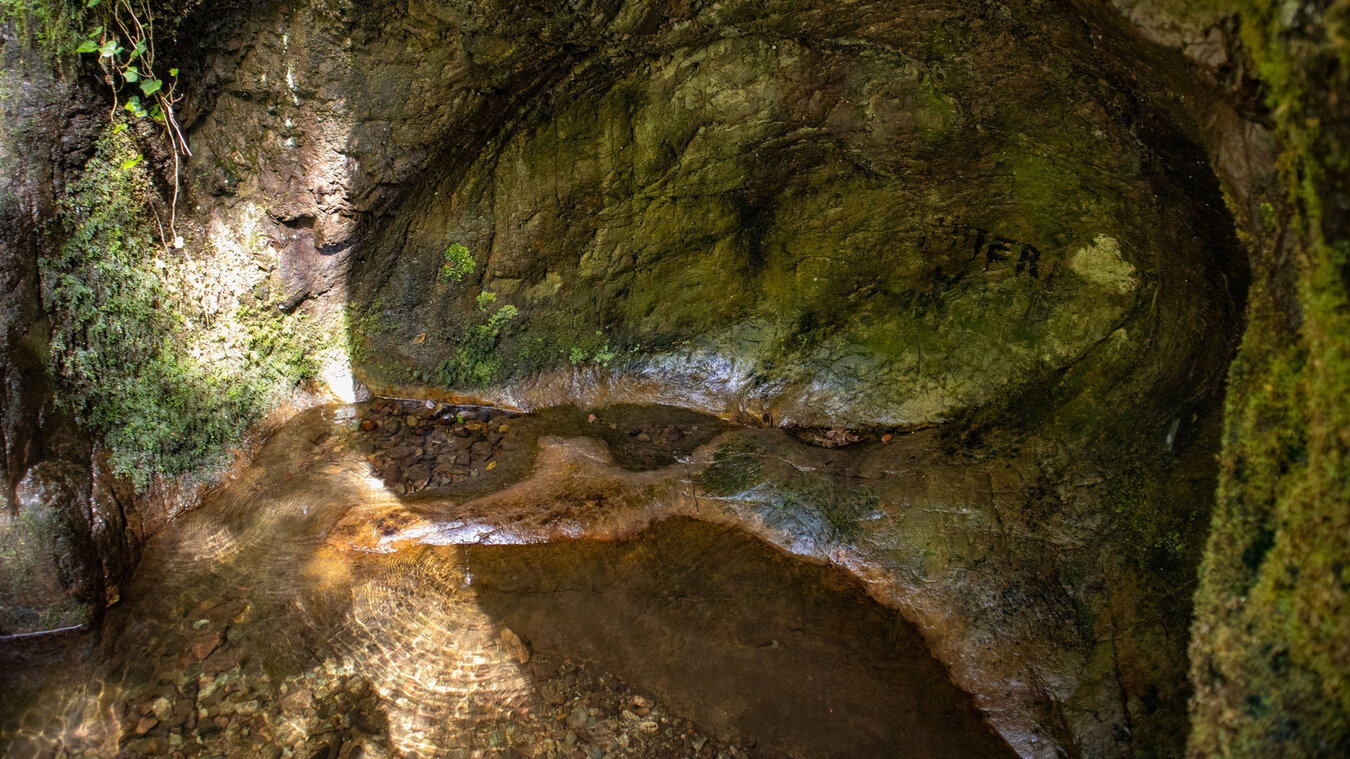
258	625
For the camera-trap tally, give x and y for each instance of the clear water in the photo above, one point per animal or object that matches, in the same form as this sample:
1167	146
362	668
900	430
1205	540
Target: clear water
309	608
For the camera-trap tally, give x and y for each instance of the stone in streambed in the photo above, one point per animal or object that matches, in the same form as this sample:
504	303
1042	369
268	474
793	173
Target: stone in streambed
222	660
417	477
516	648
578	718
185	714
144	725
401	452
204	643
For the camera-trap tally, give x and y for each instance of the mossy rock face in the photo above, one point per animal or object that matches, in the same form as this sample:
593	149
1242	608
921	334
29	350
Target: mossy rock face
1271	638
829	232
862	214
866	216
51	576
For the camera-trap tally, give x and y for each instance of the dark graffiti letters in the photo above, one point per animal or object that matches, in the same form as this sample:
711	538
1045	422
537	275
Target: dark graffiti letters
970	244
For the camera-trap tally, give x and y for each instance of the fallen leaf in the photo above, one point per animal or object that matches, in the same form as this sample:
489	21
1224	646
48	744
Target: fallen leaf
885	438
420	338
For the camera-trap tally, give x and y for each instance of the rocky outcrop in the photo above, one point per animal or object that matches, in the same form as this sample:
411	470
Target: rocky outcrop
74	310
54	542
1273	609
982	219
1012	223
1270	628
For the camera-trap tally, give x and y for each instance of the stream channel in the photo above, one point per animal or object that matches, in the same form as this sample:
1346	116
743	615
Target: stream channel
415	579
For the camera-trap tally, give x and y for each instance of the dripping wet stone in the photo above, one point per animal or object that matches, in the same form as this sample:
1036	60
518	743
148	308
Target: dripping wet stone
419	445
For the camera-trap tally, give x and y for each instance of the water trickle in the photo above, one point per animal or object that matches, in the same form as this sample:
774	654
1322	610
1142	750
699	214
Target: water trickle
327	602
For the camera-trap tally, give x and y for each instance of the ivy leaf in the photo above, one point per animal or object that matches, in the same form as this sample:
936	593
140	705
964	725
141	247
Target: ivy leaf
88	46
173	72
150	86
109	49
128	164
92	3
119	128
131	74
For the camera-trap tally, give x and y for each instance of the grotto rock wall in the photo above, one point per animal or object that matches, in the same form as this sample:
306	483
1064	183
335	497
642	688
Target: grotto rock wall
1270	634
72	515
999	220
62	550
985	219
1272	624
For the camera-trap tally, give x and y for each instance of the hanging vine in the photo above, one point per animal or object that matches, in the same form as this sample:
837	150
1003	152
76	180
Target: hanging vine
125	45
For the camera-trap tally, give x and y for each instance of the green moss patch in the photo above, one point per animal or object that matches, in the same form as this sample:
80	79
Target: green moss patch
125	344
1272	630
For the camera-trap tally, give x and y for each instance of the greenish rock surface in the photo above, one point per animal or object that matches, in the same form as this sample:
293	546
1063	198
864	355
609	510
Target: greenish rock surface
1272	633
46	552
1001	220
871	217
827	230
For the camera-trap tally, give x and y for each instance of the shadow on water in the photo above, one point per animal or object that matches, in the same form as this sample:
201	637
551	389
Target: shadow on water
754	646
247	633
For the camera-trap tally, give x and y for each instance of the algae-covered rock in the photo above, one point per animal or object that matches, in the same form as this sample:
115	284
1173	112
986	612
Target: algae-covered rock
992	218
831	232
50	576
978	217
1272	631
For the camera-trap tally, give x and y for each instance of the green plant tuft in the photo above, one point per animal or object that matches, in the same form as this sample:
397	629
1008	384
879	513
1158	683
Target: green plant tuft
51	27
458	265
120	343
486	299
475	364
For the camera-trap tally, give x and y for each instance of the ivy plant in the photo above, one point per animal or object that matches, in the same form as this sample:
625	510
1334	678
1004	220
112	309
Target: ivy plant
125	45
